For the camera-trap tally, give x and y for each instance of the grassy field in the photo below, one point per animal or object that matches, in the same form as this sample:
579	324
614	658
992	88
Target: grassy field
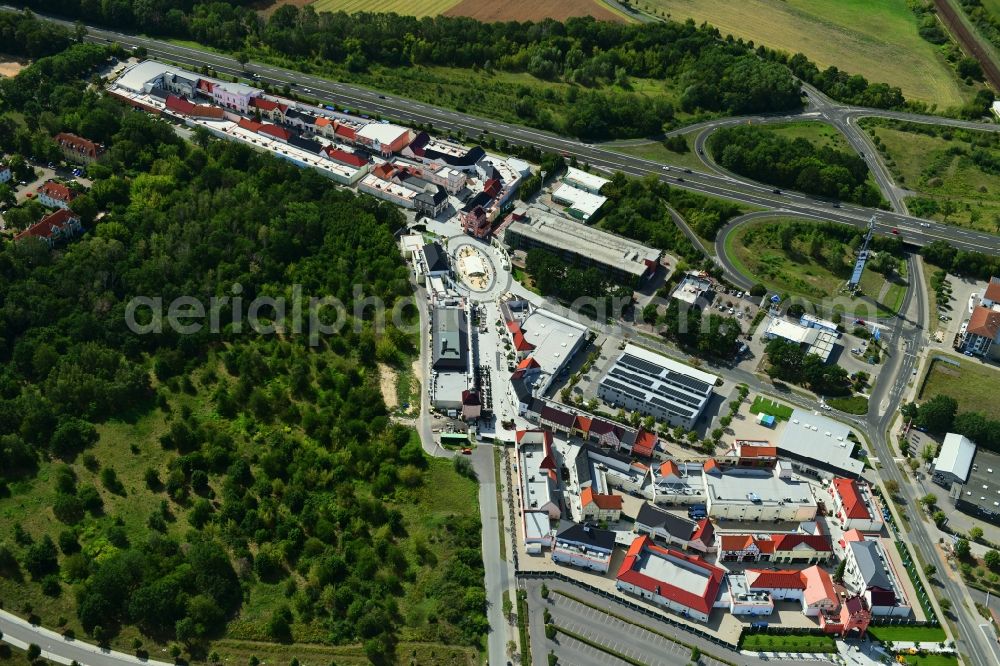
655	151
898	633
967	384
854	405
796	273
942	171
422	8
817	133
770	643
768	406
876	39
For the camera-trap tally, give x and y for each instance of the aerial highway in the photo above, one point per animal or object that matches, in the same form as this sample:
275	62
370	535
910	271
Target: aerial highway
914	230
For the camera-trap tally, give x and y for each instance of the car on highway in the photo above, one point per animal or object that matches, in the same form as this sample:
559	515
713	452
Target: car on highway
680	180
381	96
688	171
836	204
925	224
776	191
666	168
895	231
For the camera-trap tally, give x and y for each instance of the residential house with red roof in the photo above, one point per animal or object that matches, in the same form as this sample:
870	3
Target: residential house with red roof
77	149
855	506
55	195
54	227
540	501
269	109
982	333
793	547
813	587
991	297
682	583
183	107
597	507
852	617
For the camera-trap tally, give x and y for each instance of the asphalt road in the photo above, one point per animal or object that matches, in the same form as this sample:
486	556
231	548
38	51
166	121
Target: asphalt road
748	192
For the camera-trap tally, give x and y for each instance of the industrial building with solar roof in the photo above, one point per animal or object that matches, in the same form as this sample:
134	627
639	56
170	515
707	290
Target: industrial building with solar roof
657	386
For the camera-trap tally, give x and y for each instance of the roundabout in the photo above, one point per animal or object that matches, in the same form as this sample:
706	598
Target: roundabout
479	270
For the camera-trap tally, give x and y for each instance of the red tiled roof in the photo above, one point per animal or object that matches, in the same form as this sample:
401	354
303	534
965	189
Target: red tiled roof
56	191
582	423
48	225
644	444
606	502
344	157
819	586
736	542
267	105
276	132
345	130
817	542
207	86
854	535
528	363
984	322
181	105
704	532
78	144
850	498
699	602
669	468
520	344
251	125
711	465
788	579
992	292
492	187
751	451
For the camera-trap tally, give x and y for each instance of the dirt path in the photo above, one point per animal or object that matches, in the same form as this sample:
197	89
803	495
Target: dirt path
387	380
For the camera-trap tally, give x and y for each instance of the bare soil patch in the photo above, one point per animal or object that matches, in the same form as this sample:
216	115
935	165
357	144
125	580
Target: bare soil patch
387	380
11	68
531	10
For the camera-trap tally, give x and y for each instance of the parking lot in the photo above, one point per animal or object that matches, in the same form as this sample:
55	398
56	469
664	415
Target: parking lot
644	640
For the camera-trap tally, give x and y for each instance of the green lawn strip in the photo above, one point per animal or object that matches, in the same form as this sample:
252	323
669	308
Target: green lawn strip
910	565
788	643
599	646
901	633
656	151
672	639
768	406
522	626
497	463
967	384
854	405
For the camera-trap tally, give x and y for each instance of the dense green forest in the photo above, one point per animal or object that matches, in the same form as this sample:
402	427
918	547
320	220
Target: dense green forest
977	265
698	71
198	485
765	156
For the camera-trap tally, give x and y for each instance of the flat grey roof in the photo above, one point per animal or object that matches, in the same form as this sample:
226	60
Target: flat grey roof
955	456
756	486
449	338
599	246
812	435
983	487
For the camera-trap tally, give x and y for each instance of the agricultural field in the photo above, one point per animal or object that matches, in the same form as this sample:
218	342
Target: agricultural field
515	10
967	384
756	251
878	40
955	175
422	8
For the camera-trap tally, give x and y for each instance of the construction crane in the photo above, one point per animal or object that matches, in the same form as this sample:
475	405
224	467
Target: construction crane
863	254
